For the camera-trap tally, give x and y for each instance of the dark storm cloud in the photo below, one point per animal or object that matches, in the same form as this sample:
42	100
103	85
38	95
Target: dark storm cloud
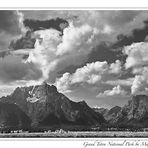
110	52
26	41
58	24
137	35
103	52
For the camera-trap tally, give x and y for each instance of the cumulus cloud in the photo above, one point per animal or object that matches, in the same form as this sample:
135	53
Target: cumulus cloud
48	52
92	73
115	21
54	52
137	55
73	47
140	83
116	91
77	38
63	83
137	60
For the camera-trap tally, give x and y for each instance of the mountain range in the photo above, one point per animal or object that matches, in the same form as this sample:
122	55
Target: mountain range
43	106
133	114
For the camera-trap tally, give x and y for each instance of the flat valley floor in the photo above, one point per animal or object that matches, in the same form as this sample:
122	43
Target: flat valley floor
71	134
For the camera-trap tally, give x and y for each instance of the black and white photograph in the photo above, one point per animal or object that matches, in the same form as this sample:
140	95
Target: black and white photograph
73	73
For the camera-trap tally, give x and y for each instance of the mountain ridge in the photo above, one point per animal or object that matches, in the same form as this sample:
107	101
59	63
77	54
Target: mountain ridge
45	106
42	105
133	114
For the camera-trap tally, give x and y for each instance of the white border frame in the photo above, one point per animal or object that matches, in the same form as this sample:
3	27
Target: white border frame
22	5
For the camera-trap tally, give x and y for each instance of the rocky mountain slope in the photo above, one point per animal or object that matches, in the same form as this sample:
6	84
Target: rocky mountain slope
12	116
135	113
113	113
102	111
45	106
109	115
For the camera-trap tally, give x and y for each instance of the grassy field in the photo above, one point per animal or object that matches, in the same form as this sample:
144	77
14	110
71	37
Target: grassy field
78	134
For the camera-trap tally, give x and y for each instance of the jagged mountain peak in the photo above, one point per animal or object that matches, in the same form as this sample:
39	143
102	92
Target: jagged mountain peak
43	86
135	111
45	106
35	93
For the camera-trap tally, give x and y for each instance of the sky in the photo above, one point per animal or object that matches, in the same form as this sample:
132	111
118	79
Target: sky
99	56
